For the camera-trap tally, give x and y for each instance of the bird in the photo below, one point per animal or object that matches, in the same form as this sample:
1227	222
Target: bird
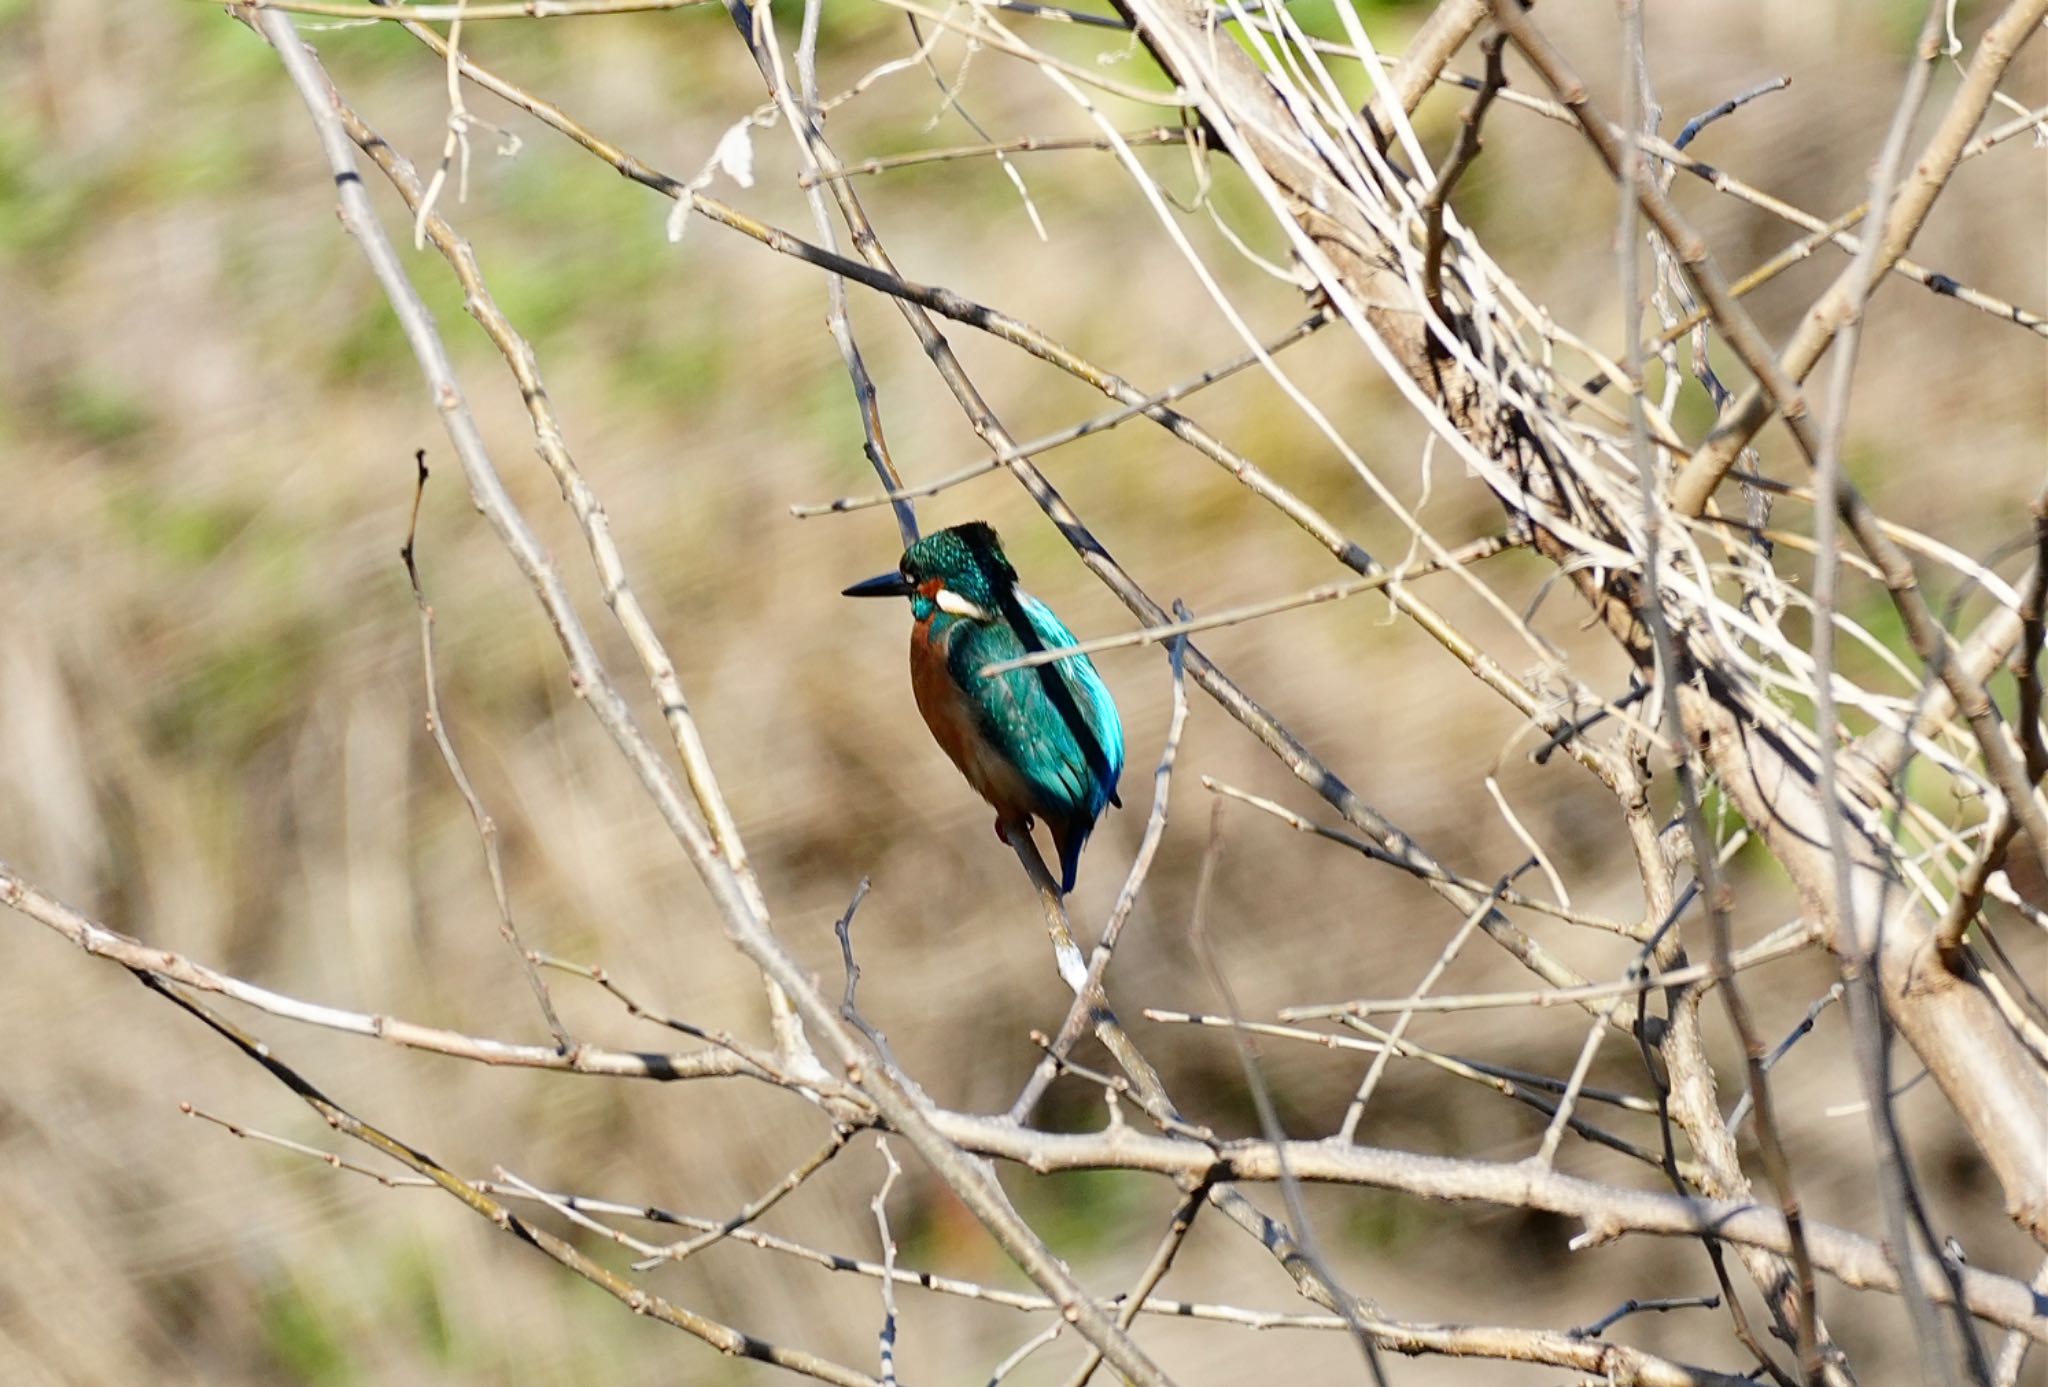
1042	742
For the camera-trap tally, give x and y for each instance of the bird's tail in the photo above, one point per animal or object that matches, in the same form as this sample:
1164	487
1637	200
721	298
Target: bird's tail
1070	835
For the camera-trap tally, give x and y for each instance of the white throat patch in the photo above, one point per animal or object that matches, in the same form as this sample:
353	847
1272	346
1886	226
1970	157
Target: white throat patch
953	604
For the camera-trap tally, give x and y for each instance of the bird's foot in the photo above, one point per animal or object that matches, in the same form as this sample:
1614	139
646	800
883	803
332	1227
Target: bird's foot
1006	827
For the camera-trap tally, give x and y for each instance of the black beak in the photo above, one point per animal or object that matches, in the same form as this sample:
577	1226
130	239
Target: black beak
888	585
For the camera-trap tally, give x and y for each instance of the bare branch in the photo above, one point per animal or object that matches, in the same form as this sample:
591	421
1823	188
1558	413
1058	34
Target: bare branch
437	727
642	1302
1461	157
1931	171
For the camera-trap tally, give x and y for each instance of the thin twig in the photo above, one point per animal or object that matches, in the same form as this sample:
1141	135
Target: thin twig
842	929
1740	1111
1354	1112
1029	144
1015	1358
437	727
1783	943
1483	890
1637	1307
1692	128
2027	661
1462	154
1561	1119
790	1182
1970	887
880	1205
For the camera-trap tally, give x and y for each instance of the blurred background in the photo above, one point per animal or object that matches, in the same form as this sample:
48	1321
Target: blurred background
211	698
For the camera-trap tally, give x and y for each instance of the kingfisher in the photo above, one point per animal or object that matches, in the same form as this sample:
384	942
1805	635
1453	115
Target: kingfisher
1043	742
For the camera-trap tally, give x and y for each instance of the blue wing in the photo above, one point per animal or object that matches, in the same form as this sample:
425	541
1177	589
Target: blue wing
1052	730
1098	709
1056	724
